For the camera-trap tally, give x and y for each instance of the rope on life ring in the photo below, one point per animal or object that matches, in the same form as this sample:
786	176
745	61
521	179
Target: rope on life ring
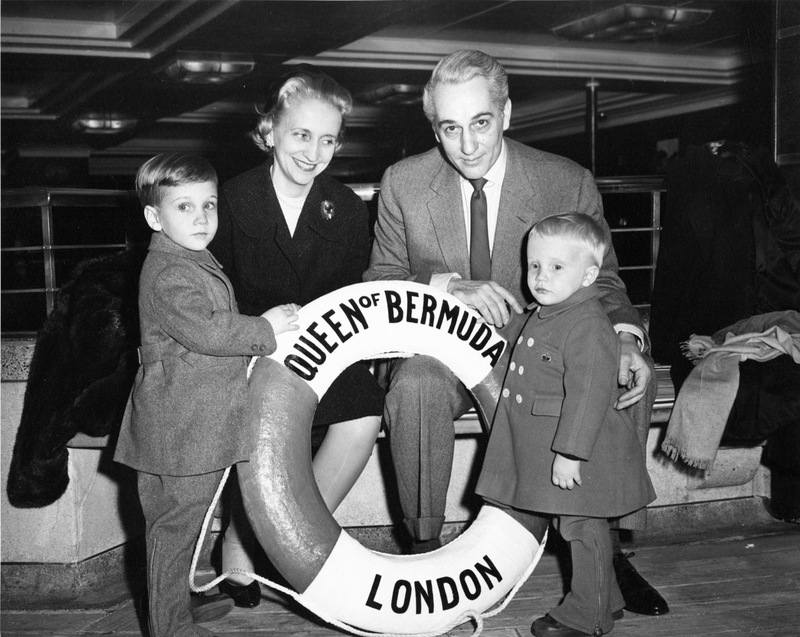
334	576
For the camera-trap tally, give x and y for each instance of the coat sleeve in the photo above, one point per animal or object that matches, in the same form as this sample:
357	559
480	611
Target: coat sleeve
221	246
390	260
613	294
590	365
182	307
227	247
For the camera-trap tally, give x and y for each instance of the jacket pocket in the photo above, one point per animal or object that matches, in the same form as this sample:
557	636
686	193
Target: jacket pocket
547	407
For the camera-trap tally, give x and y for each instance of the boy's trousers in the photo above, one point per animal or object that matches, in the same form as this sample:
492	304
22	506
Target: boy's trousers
594	594
174	508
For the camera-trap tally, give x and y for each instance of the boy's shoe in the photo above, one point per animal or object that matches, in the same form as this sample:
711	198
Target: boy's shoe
207	608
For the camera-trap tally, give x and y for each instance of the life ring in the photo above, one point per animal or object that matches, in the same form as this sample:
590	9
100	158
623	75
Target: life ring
336	577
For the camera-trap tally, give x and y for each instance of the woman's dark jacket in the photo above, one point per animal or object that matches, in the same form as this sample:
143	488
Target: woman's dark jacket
268	266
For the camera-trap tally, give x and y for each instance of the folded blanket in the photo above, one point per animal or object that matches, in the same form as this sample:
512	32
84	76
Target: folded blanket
705	400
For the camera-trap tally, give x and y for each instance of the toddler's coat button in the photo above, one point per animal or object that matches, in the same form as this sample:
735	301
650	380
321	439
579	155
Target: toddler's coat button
513	366
254	348
521	370
519	340
506	392
262	348
530	342
519	398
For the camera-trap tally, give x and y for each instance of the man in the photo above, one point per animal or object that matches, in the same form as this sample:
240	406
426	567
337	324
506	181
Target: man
423	234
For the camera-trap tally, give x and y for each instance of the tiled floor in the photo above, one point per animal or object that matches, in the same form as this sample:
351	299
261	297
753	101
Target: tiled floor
743	583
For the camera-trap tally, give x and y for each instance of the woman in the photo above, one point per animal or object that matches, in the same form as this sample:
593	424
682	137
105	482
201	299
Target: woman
290	234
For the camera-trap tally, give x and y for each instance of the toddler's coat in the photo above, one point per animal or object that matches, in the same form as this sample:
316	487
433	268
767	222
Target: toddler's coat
558	396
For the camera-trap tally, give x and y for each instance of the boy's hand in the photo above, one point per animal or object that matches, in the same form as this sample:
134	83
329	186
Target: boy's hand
283	318
566	472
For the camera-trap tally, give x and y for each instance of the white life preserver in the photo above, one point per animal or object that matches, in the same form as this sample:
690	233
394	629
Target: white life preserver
336	577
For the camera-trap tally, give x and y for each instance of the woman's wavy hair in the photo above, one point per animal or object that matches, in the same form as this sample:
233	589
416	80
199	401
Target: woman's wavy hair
461	66
303	83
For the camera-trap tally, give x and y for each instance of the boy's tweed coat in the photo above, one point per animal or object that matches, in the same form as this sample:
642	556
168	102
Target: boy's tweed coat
558	396
184	416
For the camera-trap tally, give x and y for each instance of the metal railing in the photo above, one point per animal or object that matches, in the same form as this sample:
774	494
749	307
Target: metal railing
46	232
645	221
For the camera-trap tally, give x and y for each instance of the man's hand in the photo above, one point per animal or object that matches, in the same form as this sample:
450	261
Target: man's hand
633	371
486	297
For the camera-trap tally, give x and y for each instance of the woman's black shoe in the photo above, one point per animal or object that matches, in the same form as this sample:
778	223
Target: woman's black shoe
248	596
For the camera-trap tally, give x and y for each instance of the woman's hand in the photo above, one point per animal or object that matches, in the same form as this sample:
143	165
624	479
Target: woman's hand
566	472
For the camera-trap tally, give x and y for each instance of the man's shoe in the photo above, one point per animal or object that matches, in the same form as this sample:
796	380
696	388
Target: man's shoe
640	597
207	608
548	627
244	596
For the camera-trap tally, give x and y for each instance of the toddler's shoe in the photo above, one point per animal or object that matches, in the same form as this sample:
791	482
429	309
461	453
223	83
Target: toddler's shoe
548	627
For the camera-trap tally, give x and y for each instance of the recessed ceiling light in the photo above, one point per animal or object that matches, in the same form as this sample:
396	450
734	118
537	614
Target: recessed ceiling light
392	94
99	123
206	67
630	22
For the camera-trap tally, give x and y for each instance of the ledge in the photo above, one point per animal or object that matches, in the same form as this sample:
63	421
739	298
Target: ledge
16	359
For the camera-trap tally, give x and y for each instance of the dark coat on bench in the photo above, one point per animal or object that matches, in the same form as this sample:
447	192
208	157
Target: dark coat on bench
81	373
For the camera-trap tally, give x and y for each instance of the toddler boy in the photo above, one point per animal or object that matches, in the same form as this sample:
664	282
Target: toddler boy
557	446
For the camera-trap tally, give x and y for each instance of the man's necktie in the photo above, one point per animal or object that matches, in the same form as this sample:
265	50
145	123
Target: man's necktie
479	260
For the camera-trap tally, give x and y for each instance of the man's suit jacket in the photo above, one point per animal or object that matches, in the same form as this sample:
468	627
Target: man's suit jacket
421	231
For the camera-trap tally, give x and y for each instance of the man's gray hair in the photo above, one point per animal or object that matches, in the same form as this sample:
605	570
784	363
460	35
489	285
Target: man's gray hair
462	66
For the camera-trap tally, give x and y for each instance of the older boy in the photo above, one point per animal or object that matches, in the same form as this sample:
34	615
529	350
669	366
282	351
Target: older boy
183	423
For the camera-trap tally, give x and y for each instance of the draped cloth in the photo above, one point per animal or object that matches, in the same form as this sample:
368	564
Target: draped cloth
704	402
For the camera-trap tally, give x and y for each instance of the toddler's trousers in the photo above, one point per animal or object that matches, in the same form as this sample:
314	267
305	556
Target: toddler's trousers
594	594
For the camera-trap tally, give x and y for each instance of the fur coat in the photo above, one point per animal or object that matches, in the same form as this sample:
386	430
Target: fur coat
81	374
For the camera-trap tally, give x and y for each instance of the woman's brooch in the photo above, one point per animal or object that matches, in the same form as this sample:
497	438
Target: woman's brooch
327	210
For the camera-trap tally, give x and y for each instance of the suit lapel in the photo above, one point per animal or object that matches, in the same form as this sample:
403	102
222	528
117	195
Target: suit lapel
285	243
447	217
276	228
519	208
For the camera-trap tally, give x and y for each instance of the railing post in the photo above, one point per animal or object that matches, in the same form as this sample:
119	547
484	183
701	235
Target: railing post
591	121
656	240
48	256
